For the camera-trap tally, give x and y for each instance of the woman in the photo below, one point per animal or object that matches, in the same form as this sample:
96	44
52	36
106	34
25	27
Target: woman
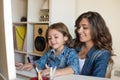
93	43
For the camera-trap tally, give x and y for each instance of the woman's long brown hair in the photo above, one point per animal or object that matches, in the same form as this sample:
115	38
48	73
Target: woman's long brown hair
100	33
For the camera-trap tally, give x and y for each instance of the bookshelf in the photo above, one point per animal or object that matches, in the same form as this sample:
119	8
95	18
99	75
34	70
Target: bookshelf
39	12
28	13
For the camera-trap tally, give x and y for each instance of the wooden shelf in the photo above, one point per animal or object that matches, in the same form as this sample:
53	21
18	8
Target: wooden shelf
22	52
41	22
33	54
19	23
29	53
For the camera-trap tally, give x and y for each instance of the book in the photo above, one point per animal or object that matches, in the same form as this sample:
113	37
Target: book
14	38
25	44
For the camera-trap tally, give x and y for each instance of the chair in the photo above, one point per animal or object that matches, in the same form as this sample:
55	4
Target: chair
2	77
109	70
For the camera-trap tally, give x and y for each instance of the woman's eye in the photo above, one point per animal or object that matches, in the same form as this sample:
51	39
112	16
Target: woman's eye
78	27
85	28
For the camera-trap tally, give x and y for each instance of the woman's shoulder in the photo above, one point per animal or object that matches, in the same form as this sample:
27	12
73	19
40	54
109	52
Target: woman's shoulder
102	52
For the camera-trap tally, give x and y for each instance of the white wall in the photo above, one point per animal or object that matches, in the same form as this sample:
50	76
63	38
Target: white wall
7	68
63	11
110	10
3	65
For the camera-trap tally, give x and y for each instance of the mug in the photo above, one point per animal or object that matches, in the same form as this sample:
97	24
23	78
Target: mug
43	78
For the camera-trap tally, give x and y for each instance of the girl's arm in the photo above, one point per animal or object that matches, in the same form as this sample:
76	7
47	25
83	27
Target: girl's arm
64	71
27	66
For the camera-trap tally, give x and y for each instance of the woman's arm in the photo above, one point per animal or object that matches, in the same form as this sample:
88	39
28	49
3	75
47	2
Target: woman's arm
64	71
101	64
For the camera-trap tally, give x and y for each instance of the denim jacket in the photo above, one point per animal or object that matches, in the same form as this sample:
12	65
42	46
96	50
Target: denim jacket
67	58
96	62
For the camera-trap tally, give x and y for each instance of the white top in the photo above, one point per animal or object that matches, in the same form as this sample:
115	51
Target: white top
81	63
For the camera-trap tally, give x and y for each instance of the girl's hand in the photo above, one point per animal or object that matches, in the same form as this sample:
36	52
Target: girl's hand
46	72
27	66
18	65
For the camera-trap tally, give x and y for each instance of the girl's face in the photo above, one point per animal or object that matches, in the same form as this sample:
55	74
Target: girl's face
84	31
56	40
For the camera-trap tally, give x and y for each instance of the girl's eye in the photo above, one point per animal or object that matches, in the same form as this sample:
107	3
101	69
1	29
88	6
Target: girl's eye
49	38
56	37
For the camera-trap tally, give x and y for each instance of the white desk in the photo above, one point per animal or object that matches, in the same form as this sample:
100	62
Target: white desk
78	77
27	74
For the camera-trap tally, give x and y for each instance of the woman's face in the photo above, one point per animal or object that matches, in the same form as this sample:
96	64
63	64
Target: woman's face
84	31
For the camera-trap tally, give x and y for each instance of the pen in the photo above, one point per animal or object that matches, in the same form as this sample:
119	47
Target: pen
53	74
38	74
51	71
28	59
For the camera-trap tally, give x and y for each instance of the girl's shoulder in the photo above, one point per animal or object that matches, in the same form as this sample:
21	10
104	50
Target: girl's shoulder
69	51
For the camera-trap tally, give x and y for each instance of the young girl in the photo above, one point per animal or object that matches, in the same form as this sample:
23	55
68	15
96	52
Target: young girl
60	54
